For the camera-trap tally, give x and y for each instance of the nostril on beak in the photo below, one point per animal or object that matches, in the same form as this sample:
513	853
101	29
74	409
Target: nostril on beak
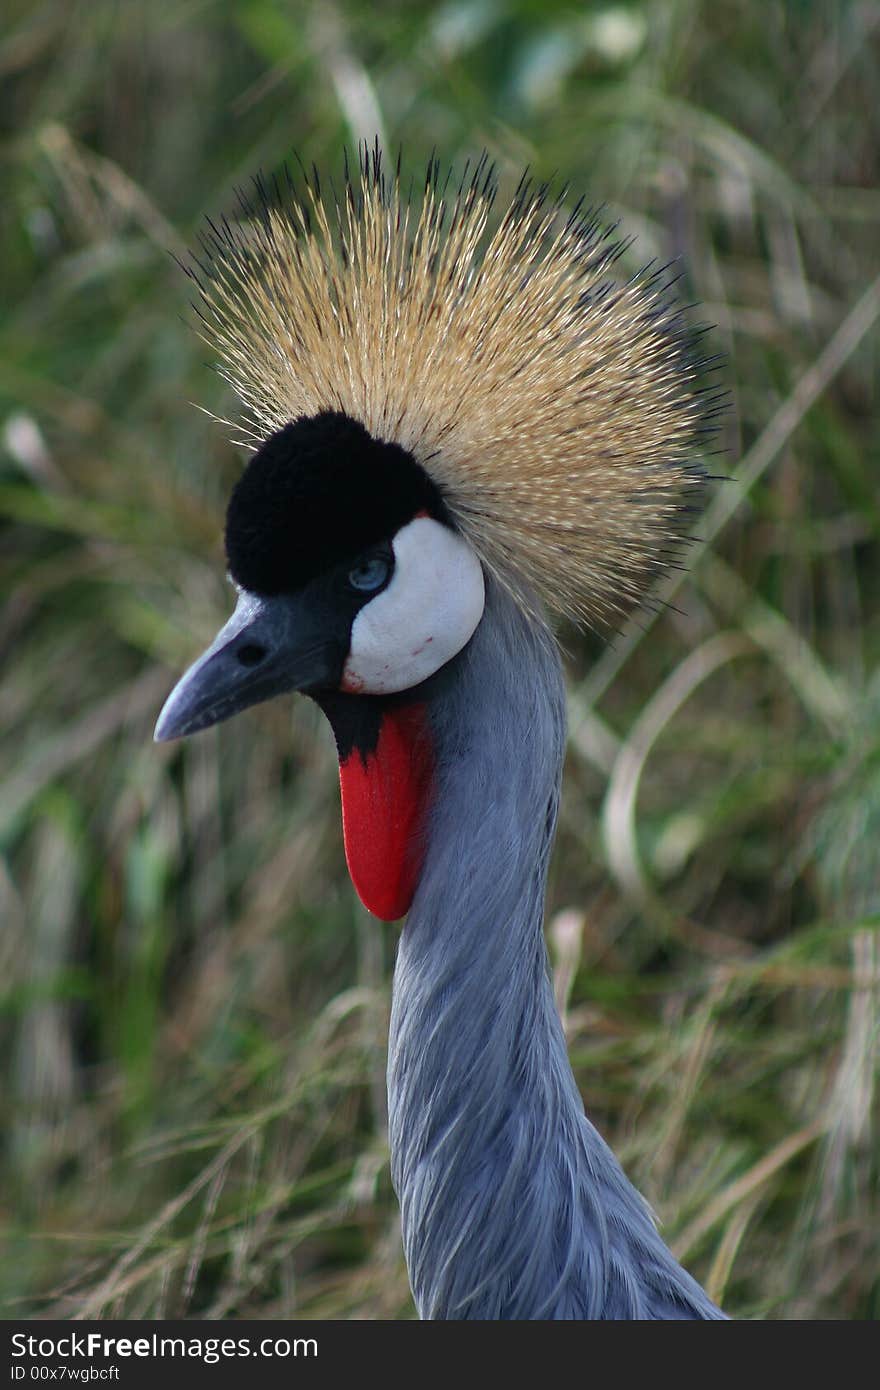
251	654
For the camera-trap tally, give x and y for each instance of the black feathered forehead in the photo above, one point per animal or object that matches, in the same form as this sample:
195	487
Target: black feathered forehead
318	492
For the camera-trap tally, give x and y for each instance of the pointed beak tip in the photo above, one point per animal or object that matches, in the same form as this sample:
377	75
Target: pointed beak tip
174	716
164	731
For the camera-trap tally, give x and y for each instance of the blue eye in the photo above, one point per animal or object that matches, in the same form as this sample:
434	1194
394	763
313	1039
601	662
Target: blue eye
370	574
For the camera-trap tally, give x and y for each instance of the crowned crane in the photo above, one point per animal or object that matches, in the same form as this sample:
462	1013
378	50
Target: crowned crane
461	423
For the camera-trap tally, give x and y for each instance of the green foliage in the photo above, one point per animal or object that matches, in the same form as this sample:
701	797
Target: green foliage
193	1009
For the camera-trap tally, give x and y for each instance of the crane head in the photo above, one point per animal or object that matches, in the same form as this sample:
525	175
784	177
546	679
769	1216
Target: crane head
437	395
352	582
349	572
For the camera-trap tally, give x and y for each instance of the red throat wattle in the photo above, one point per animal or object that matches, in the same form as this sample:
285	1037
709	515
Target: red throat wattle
386	796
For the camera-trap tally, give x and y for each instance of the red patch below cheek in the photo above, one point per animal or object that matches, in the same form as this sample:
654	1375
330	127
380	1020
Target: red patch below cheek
386	797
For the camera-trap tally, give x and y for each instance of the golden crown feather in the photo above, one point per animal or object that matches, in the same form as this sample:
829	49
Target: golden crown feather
557	409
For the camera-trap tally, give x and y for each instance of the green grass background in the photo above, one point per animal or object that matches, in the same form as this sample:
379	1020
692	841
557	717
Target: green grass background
194	1008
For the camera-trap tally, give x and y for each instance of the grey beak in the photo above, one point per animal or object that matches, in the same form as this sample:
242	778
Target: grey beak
268	647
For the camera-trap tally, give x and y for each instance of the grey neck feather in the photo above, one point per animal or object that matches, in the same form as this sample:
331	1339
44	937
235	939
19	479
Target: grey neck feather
512	1204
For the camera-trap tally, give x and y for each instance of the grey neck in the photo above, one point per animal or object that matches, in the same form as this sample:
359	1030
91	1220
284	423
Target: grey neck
512	1205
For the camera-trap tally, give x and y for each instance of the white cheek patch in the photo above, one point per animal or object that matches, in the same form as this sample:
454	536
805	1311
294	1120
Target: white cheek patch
425	616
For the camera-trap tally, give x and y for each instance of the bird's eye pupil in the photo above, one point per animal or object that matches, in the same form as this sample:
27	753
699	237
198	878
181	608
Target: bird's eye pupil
369	574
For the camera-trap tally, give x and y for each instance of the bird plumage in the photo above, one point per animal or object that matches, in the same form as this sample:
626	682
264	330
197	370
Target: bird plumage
512	1204
460	421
